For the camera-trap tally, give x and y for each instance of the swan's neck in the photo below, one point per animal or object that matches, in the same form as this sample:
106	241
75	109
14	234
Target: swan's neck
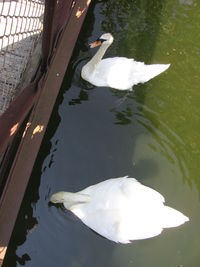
98	56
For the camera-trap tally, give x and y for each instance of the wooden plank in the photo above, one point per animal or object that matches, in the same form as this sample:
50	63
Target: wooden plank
30	144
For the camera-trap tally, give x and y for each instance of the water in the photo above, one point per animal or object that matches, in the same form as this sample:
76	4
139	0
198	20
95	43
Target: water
98	133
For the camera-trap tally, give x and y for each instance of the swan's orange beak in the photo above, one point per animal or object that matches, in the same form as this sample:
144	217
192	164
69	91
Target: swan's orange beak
95	43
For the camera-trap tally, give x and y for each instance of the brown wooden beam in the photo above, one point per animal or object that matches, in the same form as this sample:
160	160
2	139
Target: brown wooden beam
37	124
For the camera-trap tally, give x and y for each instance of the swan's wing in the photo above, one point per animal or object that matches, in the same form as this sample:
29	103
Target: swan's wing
134	190
119	225
133	229
103	221
122	188
115	72
122	73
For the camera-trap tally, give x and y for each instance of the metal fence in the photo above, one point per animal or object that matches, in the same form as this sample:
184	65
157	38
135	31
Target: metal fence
21	24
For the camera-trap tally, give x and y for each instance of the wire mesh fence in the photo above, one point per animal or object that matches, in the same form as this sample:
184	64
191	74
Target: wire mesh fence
21	23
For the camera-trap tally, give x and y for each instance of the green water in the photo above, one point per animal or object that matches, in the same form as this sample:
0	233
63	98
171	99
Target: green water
98	133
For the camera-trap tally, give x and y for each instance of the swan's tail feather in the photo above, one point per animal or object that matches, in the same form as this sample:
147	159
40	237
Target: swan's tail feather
159	68
172	217
151	71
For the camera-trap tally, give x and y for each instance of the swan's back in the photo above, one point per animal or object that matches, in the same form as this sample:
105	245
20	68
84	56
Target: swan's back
122	209
123	73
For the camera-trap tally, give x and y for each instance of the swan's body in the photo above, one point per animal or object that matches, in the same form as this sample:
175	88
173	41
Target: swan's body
117	72
121	209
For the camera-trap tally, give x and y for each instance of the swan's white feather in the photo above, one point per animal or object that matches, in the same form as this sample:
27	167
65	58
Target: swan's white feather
122	209
118	72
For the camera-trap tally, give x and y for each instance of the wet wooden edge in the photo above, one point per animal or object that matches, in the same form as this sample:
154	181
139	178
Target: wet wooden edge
36	127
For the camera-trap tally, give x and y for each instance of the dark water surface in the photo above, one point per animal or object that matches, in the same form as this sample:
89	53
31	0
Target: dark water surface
99	133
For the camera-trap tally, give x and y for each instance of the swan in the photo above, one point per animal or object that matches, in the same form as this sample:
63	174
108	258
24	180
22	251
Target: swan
117	72
121	209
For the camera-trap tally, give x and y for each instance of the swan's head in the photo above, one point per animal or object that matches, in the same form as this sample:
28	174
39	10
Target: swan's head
105	38
58	197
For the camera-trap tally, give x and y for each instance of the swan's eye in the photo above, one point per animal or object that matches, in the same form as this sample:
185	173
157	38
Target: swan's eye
98	42
102	40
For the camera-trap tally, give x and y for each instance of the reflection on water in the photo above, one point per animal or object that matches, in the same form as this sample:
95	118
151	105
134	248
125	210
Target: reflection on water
95	133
